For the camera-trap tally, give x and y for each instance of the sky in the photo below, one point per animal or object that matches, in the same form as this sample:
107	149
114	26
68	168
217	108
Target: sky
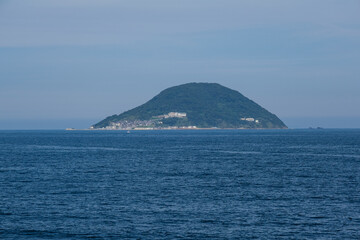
71	63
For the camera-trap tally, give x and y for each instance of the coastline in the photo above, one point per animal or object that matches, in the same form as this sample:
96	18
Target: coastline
162	129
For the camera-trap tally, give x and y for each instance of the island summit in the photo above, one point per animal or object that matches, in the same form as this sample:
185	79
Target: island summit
194	106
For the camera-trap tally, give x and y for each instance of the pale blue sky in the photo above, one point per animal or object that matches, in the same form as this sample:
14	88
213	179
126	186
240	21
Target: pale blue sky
70	63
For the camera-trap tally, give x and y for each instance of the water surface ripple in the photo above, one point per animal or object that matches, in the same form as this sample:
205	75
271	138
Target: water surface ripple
220	184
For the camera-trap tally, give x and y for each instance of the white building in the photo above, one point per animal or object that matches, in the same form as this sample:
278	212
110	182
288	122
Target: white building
248	119
176	114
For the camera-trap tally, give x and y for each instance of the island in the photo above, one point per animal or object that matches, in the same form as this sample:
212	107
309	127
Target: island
194	106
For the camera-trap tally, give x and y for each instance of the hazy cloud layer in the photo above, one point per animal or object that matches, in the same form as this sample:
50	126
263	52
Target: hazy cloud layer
84	22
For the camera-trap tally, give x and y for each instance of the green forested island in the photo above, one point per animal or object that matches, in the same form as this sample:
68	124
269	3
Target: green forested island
194	105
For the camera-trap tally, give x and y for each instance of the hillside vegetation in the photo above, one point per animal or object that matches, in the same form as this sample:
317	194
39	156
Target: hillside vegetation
205	104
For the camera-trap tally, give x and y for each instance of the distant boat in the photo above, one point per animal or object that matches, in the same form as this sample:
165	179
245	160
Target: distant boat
128	132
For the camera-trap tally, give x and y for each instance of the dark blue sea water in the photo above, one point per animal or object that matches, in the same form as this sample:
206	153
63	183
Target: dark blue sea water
220	184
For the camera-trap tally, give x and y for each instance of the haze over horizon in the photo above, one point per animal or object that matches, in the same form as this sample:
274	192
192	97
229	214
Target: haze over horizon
72	63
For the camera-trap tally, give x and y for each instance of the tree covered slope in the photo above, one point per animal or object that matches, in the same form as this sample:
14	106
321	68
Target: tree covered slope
205	104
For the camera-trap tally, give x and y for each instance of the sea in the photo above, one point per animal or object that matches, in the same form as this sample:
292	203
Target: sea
180	184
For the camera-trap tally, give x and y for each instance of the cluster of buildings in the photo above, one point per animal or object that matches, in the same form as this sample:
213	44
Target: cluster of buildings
164	128
153	123
172	115
128	125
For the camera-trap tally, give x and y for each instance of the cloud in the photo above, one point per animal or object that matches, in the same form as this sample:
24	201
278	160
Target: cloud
90	22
